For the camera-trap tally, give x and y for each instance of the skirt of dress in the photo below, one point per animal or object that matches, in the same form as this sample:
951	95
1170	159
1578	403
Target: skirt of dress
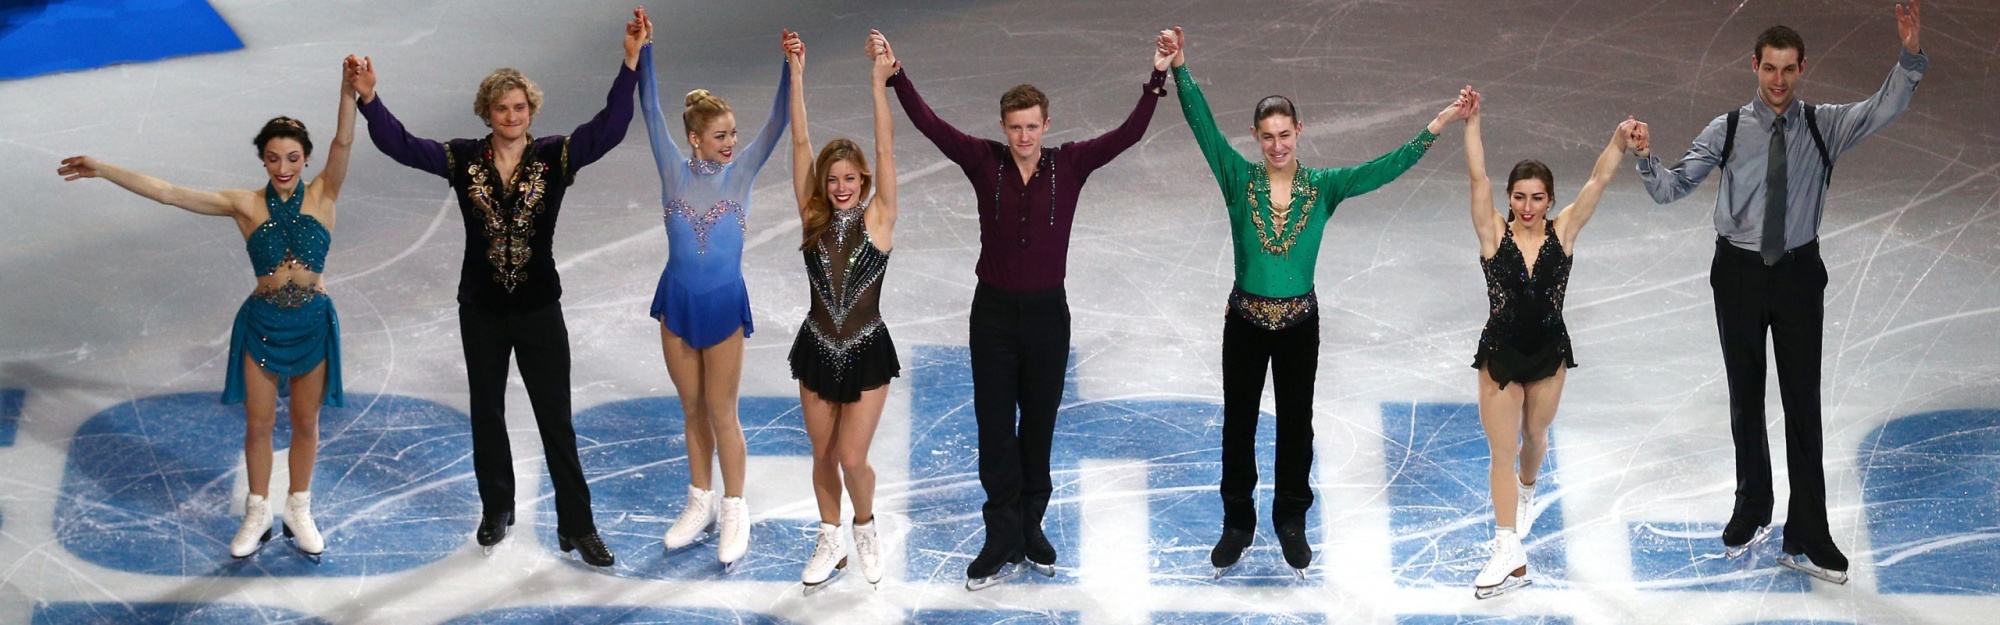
1508	365
287	338
706	318
839	372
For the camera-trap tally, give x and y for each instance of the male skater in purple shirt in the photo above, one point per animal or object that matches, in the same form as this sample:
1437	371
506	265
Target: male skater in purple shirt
1020	315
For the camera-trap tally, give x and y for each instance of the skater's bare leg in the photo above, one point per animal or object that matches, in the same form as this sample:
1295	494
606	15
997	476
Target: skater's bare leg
1500	411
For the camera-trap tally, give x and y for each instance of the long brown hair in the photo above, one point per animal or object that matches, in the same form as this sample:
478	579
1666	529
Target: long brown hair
819	208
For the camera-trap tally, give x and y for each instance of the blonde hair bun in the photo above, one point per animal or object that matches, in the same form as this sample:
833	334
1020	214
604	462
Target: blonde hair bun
702	107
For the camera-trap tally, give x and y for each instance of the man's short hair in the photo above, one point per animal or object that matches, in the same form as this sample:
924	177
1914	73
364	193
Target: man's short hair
1023	97
1780	37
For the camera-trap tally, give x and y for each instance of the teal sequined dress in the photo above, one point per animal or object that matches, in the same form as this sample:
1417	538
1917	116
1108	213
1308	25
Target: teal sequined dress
291	329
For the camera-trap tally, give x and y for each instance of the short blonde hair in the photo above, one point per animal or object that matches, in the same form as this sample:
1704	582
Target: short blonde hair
497	84
702	107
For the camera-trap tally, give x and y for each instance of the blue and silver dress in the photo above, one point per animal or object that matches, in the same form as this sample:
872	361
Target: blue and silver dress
289	329
701	296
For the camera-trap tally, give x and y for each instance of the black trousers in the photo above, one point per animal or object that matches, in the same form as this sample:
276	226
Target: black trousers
1020	349
1787	300
1292	356
541	339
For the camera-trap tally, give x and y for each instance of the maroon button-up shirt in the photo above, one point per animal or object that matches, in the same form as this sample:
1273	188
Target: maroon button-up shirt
1024	228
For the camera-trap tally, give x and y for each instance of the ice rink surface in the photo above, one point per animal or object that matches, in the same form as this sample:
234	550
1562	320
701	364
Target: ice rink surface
122	475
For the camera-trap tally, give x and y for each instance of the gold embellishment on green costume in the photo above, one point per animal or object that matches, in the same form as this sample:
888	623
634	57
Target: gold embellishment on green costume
1280	232
1424	139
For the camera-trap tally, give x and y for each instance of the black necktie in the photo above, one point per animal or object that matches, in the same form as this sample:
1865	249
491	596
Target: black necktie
1775	179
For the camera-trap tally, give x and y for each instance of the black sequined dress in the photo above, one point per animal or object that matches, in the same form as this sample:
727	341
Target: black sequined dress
1525	339
843	348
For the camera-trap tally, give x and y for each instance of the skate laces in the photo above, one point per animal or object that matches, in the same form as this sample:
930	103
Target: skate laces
696	513
864	538
824	548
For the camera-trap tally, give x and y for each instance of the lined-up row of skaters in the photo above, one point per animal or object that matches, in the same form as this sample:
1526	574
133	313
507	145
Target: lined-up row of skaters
1774	157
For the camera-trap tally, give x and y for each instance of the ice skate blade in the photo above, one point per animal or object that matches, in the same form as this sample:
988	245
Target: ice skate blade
578	558
294	542
1299	575
260	546
1047	570
823	583
1792	562
1006	571
705	533
487	550
1511	584
1220	570
1755	539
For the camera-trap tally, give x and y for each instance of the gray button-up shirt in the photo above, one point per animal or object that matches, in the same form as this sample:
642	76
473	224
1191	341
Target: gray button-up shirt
1739	207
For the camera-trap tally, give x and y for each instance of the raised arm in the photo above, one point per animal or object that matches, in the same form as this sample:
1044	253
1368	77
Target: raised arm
1667	184
1228	165
1097	151
595	138
1578	213
759	150
802	154
1847	124
1486	222
1347	182
387	132
666	153
961	148
218	203
881	215
330	179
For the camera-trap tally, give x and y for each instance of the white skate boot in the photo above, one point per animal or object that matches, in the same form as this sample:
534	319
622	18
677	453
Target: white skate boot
697	517
734	531
300	528
829	558
1524	509
869	551
255	530
1507	570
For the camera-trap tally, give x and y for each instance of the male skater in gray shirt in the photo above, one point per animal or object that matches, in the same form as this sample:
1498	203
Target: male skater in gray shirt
1776	154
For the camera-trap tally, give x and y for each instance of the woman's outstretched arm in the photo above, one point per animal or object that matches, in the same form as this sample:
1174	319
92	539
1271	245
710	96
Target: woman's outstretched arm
335	174
1572	218
802	154
1485	221
218	203
881	214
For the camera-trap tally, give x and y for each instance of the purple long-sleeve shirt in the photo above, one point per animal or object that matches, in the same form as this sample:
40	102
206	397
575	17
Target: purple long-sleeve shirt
1024	228
509	227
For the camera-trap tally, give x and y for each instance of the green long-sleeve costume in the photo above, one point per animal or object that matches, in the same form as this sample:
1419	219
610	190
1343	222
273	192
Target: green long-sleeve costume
1276	249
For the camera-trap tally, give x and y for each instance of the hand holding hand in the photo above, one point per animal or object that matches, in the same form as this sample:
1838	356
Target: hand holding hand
360	74
1640	139
1456	111
884	56
1165	49
638	33
884	64
1180	46
347	71
1622	137
1909	25
795	49
77	167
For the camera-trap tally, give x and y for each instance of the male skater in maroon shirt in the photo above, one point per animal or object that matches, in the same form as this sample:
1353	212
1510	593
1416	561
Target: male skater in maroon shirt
1020	315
